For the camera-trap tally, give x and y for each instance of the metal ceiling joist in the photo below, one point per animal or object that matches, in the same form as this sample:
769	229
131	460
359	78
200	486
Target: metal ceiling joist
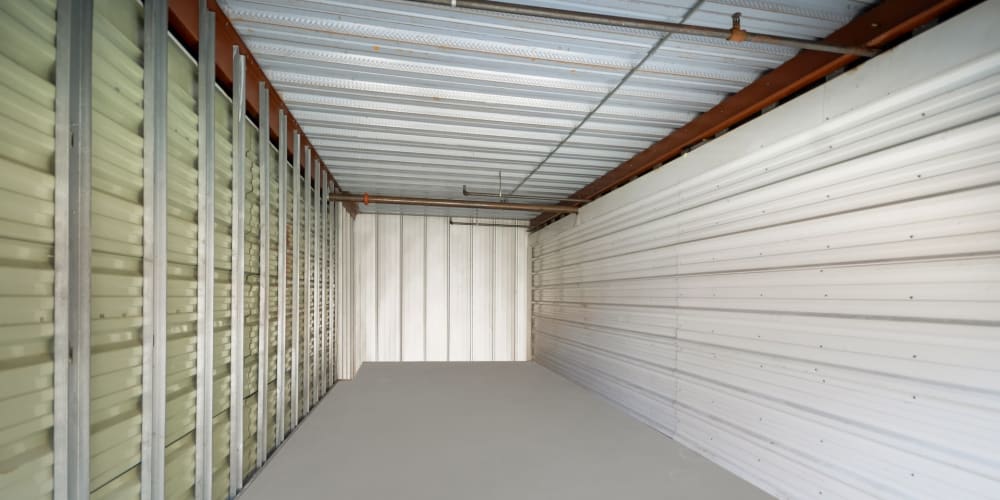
875	28
183	23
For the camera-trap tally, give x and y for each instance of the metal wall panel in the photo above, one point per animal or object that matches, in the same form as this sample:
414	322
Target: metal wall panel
459	293
182	273
274	233
811	300
251	294
122	247
412	277
291	296
223	298
349	345
436	288
388	315
428	290
27	236
117	250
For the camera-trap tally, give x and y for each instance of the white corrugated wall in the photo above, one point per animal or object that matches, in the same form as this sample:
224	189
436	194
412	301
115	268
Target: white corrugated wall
428	290
349	349
813	299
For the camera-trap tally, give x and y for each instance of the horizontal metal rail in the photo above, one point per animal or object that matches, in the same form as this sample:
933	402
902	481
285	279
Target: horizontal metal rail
453	222
503	196
436	202
736	34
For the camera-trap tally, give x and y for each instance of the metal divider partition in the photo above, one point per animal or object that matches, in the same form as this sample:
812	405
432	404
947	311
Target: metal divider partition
153	269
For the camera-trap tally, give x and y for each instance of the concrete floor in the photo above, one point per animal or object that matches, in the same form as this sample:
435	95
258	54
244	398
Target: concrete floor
464	431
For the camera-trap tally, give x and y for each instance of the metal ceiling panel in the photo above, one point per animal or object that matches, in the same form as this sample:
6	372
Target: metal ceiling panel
416	100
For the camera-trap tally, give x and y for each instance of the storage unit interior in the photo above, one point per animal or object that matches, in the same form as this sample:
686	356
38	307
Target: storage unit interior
474	249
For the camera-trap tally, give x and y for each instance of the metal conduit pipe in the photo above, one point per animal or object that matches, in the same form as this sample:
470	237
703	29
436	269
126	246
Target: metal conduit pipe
436	202
466	192
735	34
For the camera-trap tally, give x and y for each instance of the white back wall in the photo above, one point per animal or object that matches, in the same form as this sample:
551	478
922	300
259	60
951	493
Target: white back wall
350	350
426	290
813	299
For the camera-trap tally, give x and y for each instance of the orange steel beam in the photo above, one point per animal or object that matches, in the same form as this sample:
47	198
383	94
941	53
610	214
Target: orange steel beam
875	28
183	23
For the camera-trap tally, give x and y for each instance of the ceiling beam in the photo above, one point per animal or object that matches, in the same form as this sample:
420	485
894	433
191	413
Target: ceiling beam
875	28
183	24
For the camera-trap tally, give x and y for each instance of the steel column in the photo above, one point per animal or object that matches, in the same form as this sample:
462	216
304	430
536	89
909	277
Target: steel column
71	349
282	167
206	254
154	282
264	155
296	276
238	275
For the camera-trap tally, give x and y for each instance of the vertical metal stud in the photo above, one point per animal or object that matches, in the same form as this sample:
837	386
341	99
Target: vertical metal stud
321	283
327	327
317	326
331	287
238	275
154	277
324	330
279	426
206	252
71	377
296	277
305	376
264	155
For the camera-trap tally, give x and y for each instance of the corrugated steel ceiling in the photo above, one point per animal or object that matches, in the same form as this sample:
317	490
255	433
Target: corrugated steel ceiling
401	98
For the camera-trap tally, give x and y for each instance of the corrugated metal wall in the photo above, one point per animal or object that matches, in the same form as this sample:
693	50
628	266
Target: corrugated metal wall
813	299
427	290
350	347
27	238
117	259
120	363
182	274
223	296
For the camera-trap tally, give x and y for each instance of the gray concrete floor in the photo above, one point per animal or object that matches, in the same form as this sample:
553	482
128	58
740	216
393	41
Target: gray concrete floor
464	431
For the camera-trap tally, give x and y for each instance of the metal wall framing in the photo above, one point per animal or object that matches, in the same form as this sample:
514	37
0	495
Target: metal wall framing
296	181
264	153
206	252
428	290
810	300
125	218
238	234
71	236
282	276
